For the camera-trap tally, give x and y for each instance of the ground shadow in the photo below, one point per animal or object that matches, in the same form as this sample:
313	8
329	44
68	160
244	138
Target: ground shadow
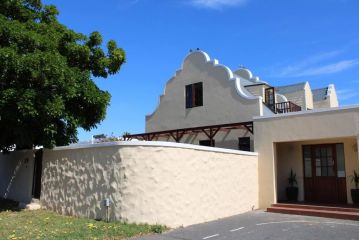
8	205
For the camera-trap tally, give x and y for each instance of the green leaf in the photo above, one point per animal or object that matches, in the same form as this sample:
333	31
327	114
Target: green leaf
46	69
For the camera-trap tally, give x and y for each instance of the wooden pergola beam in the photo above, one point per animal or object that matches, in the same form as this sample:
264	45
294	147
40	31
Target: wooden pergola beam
177	135
249	128
210	131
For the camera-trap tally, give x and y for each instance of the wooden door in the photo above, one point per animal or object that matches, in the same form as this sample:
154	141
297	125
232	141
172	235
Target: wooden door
321	181
325	178
269	98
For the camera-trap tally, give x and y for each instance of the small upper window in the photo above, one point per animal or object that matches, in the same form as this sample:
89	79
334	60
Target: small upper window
244	144
194	95
209	143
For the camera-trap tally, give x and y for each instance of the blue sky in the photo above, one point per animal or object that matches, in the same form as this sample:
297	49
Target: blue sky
282	42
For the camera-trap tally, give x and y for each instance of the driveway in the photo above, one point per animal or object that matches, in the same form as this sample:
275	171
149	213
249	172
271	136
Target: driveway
262	225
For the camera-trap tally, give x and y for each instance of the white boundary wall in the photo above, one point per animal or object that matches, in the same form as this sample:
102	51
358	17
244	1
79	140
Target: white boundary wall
150	182
17	184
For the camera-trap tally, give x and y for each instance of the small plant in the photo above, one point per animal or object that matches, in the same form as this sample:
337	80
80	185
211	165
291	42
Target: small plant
355	191
126	136
292	190
355	179
292	180
157	229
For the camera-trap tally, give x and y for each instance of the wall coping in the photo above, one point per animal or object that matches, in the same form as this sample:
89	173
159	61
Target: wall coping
155	144
308	112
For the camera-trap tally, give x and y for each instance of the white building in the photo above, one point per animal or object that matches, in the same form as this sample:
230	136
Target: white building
290	127
205	95
169	179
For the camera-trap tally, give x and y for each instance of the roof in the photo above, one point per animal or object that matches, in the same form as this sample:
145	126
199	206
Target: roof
245	82
319	94
291	88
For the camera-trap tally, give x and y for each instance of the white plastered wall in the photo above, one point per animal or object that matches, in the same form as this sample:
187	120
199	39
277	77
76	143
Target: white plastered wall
303	126
308	96
332	95
224	100
150	182
17	185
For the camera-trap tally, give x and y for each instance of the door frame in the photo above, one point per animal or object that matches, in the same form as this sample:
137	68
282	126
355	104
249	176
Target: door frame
270	91
311	181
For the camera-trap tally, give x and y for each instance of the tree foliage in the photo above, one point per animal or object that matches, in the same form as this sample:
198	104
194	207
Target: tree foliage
46	71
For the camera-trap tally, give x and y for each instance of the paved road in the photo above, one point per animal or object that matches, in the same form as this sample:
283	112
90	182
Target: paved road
269	226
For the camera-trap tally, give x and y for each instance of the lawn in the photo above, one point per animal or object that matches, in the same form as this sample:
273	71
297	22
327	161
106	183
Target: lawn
18	224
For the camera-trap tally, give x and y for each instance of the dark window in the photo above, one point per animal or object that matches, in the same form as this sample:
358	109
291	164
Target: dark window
194	95
307	155
189	96
324	160
207	143
340	159
36	182
244	144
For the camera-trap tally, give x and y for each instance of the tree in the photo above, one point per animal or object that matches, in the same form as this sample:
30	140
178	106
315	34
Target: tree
46	71
126	136
101	138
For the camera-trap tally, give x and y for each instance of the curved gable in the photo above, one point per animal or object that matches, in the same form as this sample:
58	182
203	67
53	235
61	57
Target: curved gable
224	99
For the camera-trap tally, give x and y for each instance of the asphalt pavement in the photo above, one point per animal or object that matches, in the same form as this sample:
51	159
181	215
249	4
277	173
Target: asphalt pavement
258	225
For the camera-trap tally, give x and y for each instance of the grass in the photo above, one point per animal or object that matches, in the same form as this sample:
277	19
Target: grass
18	224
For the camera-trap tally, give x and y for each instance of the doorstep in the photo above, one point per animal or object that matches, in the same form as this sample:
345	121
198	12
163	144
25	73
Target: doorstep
338	212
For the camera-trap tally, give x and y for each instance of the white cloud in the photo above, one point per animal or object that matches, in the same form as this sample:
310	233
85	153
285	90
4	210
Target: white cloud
217	4
329	68
297	67
346	94
313	66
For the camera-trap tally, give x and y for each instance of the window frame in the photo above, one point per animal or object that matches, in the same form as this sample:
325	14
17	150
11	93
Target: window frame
194	95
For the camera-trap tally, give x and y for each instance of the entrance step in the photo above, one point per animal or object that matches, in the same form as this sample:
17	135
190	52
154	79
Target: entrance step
349	213
343	208
33	205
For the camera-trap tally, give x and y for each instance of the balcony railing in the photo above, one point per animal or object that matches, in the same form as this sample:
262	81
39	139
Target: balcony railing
286	107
